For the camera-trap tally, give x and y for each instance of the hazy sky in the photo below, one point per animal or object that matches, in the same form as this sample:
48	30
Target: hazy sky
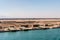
30	8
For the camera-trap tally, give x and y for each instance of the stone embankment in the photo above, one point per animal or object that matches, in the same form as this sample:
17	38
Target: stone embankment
25	29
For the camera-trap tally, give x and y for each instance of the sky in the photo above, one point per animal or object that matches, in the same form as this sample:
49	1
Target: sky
29	8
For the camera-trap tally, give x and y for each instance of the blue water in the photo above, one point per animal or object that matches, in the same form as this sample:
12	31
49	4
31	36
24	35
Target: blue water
50	34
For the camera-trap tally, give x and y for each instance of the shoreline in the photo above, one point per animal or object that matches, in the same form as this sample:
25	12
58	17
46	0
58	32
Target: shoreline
28	29
25	24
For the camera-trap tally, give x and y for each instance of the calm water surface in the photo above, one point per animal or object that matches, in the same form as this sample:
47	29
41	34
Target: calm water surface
50	34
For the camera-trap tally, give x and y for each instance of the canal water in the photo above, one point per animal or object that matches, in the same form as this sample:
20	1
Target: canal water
50	34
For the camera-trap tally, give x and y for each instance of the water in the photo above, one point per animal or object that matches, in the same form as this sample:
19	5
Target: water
50	34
